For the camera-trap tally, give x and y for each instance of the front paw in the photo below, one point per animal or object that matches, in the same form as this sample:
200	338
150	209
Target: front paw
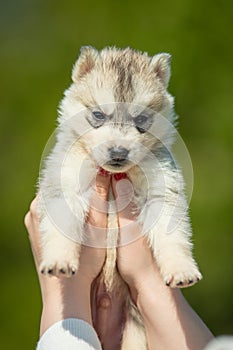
59	267
182	273
60	259
60	256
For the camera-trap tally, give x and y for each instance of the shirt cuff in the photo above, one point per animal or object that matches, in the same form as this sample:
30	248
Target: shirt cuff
71	334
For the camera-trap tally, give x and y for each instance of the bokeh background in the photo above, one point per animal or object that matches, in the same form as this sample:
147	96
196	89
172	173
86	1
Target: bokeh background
40	41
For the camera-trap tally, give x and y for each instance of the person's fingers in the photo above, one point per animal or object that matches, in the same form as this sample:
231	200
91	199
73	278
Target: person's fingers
95	228
96	222
98	204
33	208
124	193
31	216
31	221
102	184
130	228
27	221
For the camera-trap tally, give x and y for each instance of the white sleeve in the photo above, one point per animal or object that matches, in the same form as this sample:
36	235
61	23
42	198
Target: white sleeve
72	334
223	342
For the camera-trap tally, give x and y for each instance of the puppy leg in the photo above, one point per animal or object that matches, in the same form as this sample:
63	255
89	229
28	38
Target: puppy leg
60	239
173	252
60	255
175	260
168	224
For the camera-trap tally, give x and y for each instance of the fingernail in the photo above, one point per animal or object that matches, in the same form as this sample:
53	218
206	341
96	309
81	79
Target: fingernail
120	176
103	172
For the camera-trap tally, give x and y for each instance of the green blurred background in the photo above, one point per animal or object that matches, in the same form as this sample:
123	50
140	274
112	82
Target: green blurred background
40	41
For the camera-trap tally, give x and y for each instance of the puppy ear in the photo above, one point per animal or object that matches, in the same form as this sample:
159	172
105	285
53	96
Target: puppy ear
85	63
161	66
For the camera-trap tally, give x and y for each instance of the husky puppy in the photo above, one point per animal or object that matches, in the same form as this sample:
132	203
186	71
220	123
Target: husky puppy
117	115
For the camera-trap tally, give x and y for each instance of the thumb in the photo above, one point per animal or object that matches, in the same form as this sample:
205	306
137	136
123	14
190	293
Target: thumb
102	183
96	222
99	196
130	228
123	192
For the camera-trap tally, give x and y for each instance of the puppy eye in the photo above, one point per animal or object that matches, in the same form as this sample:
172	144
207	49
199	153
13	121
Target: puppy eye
141	122
99	116
140	119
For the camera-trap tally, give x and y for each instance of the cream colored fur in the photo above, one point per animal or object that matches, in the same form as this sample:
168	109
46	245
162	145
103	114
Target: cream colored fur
119	84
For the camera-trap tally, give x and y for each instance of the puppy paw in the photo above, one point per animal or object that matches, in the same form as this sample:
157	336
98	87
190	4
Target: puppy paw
60	256
59	267
181	275
60	260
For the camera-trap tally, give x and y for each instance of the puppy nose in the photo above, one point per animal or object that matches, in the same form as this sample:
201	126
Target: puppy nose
118	154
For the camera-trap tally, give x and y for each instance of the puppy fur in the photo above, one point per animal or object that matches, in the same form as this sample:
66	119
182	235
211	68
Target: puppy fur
121	85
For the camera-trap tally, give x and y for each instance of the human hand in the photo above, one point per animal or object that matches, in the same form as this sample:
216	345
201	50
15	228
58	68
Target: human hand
135	261
165	312
62	297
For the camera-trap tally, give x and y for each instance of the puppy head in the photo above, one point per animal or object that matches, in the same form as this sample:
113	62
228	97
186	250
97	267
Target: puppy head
119	94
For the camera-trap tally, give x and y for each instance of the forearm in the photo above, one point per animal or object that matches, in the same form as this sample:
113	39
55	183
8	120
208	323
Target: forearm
65	299
170	322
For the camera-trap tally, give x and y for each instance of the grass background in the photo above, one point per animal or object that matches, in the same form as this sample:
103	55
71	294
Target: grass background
40	41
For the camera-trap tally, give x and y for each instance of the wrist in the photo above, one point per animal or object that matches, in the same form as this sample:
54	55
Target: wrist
65	298
149	289
144	282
